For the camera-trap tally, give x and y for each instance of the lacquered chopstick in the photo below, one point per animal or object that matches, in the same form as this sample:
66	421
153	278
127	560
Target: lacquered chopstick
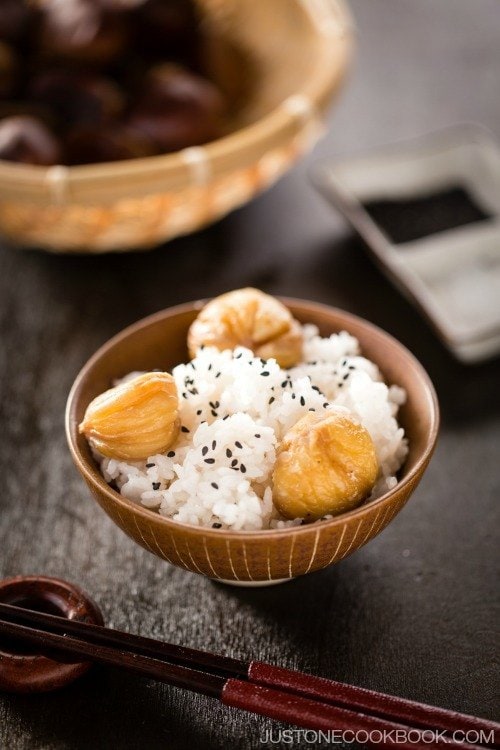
139	644
329	691
280	705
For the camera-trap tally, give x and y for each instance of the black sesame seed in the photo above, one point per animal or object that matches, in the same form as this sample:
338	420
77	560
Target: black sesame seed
283	385
257	435
214	444
156	485
170	454
209	460
340	385
149	466
214	413
212	404
204	450
184	395
184	429
198	413
238	356
302	401
344	377
271	400
243	468
216	526
326	405
312	409
229	452
215	485
218	375
351	367
293	395
234	462
238	444
210	366
226	417
264	374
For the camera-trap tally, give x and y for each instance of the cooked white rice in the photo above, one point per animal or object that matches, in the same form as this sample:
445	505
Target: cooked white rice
235	409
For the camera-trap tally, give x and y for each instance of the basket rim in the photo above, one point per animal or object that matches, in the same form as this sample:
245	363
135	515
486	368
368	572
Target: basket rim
246	145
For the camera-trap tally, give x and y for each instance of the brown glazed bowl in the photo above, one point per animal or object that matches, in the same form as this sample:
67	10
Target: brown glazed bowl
258	557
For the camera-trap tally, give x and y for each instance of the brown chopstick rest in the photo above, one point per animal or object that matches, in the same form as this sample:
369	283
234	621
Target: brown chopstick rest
23	670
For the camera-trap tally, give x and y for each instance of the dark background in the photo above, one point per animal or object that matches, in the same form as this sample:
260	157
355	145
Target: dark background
413	613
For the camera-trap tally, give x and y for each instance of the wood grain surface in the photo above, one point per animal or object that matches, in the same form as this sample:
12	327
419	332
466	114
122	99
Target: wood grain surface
412	613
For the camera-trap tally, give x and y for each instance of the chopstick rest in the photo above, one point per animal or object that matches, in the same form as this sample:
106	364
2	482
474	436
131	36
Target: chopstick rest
23	670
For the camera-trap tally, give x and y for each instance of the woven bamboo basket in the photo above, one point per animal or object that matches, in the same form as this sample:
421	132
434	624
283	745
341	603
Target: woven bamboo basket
283	59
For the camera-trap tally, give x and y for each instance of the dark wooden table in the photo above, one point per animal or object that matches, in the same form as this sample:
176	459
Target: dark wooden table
412	613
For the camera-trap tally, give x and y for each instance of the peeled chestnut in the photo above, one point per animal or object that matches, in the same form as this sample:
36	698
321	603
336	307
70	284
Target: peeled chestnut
79	31
248	317
78	98
113	143
26	140
325	464
177	109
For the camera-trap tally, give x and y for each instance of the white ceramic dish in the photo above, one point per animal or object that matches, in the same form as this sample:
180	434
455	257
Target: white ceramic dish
453	276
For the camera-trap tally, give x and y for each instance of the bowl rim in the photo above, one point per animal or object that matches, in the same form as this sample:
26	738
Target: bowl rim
173	170
92	475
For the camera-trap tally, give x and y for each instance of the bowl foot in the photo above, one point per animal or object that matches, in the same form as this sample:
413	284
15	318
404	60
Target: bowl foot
252	584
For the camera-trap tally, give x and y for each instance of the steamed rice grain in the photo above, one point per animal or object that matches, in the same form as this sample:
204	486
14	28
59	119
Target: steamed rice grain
235	409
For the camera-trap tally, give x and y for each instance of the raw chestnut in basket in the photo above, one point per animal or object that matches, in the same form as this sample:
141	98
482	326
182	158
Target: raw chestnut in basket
168	29
177	109
20	108
27	141
113	143
79	31
89	81
14	19
119	5
8	70
78	98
